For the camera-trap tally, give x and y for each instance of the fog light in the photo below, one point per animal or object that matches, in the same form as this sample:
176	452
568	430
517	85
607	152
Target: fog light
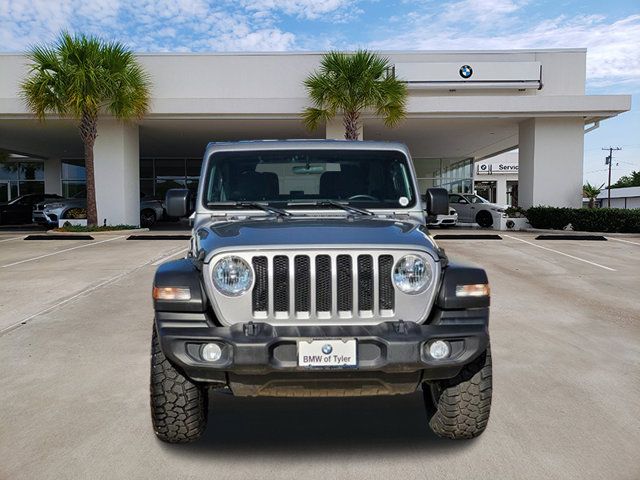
211	352
439	349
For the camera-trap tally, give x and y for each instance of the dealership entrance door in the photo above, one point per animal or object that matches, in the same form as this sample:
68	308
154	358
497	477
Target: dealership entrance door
5	191
487	190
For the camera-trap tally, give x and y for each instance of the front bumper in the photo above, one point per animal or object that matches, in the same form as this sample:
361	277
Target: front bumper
444	220
42	218
260	349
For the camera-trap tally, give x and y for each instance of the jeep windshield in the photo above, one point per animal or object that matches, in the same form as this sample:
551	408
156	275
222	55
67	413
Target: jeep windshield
304	179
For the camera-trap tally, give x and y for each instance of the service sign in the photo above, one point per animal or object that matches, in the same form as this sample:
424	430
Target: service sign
493	168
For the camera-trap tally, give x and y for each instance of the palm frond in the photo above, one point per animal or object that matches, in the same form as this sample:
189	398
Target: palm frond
352	83
313	117
81	75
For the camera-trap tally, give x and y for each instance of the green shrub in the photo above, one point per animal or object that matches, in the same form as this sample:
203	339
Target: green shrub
607	220
515	212
554	218
76	213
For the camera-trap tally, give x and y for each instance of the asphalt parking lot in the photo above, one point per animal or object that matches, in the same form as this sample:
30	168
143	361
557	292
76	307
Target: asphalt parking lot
75	324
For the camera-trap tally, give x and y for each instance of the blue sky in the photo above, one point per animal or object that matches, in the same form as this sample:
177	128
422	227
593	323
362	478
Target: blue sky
609	30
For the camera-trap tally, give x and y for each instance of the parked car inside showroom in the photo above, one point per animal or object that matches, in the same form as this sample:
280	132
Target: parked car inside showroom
48	213
473	208
20	209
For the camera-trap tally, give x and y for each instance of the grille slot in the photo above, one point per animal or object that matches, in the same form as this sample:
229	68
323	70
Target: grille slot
365	283
323	283
281	283
260	294
345	285
302	286
387	298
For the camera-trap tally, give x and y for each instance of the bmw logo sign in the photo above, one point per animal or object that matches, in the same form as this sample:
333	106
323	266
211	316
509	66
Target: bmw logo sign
466	71
327	349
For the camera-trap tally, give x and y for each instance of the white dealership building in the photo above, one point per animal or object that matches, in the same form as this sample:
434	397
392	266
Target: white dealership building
464	107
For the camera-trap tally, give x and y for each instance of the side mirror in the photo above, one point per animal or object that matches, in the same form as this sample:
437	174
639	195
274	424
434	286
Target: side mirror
437	200
177	202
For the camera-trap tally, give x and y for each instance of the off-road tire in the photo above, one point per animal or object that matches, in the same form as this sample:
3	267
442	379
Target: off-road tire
461	405
178	406
484	219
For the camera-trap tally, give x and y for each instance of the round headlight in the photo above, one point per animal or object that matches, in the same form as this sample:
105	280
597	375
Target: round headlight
412	274
232	276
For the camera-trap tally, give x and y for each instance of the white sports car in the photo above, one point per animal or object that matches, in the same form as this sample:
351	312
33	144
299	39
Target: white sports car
445	221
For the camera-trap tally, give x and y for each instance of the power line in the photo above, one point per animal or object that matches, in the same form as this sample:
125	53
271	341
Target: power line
608	161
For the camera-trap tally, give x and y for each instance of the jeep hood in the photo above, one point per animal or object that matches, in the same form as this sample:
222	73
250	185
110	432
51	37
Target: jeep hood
271	231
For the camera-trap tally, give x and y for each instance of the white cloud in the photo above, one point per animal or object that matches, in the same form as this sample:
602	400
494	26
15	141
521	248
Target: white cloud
481	11
147	25
307	9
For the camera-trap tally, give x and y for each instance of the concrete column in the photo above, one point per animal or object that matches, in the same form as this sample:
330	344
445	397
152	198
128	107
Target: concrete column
53	176
501	189
117	172
551	152
335	129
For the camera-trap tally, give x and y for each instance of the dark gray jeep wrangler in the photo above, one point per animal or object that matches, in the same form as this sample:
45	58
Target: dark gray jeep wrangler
311	273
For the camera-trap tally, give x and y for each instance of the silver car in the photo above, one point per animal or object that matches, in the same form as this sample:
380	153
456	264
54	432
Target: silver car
48	213
475	209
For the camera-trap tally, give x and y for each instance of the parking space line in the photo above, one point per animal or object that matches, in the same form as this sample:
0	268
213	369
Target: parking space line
562	253
67	300
167	257
60	251
9	239
104	283
620	240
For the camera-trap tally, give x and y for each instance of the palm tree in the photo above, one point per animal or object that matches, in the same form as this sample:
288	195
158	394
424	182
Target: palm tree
81	77
591	192
350	84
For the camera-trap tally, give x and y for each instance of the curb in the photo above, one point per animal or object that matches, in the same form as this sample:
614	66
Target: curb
106	232
580	232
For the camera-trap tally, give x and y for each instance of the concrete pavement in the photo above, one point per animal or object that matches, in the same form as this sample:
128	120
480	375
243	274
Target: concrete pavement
566	350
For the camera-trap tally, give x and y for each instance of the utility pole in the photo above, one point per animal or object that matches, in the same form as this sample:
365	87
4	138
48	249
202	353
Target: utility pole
609	161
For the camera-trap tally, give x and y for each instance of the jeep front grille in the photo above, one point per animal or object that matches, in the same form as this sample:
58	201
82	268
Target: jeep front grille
351	277
333	286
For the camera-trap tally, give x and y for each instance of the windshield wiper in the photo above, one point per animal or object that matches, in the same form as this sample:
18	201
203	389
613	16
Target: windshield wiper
334	203
260	206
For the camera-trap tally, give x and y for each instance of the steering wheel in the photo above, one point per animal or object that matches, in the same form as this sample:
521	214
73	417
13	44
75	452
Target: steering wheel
364	197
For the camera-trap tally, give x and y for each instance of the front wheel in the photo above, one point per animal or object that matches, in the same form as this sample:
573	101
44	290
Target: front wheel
178	406
460	406
147	218
484	219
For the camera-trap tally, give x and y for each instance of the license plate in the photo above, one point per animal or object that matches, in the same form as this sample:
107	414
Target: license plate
339	353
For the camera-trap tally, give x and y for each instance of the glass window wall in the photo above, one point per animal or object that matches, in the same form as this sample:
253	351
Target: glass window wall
74	177
21	176
454	174
157	175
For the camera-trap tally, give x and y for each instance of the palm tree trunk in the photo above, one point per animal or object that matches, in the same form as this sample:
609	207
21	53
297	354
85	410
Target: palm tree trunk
351	125
88	133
